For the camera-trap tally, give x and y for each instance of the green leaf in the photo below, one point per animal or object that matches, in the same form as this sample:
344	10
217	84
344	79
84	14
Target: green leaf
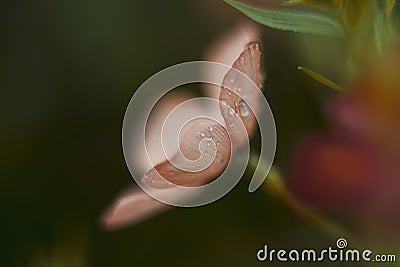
296	21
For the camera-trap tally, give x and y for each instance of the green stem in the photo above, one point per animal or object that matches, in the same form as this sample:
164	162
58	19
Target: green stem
321	79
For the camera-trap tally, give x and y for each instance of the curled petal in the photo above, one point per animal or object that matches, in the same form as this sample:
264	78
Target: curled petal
237	95
204	153
205	146
198	161
155	128
225	50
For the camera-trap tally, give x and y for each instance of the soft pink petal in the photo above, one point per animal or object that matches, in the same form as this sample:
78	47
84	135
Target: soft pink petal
155	125
198	136
225	50
185	166
235	106
205	151
132	206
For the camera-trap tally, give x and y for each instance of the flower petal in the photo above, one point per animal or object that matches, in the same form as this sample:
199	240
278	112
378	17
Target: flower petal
132	206
225	50
204	153
235	105
205	145
192	167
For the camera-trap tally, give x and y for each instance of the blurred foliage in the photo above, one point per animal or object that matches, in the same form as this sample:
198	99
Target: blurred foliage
365	26
302	21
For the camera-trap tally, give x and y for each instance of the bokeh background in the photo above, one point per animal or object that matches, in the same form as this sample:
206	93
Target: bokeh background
67	72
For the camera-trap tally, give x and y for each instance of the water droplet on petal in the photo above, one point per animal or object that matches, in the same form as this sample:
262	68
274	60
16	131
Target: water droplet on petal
210	128
231	111
209	140
252	53
243	109
232	80
224	102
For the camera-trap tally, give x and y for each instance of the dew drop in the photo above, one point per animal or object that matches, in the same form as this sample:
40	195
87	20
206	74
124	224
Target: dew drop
231	111
209	140
151	179
243	108
224	102
251	52
210	128
232	80
202	134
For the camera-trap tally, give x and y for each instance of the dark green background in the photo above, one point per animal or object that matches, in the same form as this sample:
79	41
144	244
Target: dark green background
67	72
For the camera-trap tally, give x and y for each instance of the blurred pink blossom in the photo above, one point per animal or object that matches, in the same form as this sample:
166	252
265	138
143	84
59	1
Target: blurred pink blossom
354	170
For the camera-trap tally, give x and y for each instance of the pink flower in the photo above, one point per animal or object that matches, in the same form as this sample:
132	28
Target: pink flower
135	205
